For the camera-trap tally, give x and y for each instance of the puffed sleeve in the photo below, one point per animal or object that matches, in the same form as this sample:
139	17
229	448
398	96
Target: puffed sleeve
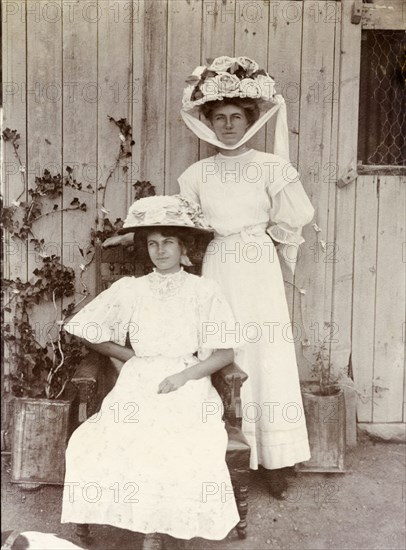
107	317
218	328
189	183
290	210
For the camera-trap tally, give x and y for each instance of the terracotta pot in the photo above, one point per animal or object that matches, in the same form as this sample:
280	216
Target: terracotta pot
325	420
41	430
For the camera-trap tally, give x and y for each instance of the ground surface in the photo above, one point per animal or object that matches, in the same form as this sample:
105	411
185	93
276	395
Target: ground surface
361	509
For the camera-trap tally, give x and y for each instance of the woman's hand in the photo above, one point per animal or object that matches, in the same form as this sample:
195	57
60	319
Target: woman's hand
173	382
110	349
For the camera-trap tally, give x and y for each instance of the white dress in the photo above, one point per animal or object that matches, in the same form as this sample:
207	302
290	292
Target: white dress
246	198
153	462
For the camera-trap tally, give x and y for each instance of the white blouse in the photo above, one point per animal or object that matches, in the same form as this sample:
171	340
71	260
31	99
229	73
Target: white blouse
250	190
171	315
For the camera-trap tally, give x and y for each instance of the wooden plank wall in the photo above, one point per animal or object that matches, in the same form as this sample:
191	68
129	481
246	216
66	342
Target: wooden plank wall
80	123
284	50
347	134
14	116
44	131
389	343
315	130
67	68
363	306
378	309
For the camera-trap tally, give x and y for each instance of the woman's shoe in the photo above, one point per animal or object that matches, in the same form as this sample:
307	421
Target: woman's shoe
276	481
289	471
152	541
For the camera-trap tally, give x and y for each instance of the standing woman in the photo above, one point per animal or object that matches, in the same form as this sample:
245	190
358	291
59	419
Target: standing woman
255	202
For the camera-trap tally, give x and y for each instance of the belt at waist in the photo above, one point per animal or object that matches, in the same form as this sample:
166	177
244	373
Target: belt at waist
248	234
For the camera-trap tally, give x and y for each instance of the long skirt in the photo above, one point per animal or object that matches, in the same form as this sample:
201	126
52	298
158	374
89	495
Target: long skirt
152	462
250	276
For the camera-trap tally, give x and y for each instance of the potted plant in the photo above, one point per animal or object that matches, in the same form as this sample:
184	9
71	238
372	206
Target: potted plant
44	412
325	412
329	399
40	358
43	400
41	363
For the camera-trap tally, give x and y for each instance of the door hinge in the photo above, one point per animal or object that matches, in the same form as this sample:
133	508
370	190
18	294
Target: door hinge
347	178
356	13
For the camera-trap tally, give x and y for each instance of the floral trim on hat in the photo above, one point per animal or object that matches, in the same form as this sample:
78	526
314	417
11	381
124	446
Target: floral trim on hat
173	210
227	77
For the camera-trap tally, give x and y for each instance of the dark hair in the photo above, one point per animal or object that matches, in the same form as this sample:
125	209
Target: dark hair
181	233
249	106
194	243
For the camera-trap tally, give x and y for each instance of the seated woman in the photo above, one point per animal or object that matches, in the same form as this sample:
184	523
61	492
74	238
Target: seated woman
153	459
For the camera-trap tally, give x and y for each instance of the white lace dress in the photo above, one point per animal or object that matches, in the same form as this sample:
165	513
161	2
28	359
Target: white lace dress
153	462
246	198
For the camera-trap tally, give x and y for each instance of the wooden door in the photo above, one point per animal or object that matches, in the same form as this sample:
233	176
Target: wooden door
369	274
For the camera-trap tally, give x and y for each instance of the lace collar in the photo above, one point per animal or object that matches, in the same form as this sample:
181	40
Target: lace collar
168	285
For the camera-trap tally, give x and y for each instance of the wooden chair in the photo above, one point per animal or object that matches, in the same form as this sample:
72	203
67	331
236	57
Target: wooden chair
95	376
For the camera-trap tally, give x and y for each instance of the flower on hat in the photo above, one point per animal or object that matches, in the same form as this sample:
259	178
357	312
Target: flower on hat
194	212
221	64
227	77
165	210
210	91
267	85
224	84
248	64
250	88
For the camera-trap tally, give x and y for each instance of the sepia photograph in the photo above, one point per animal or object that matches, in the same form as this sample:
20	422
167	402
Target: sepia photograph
203	267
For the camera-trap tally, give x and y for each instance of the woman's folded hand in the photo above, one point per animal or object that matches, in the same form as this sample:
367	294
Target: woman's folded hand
173	382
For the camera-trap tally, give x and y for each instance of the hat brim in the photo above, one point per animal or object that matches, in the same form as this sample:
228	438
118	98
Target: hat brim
157	227
263	104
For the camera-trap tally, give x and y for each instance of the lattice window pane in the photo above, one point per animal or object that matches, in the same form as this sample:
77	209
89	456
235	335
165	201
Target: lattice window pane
382	109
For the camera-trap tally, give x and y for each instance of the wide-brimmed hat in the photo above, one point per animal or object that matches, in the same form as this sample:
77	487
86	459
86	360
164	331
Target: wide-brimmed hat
166	211
238	78
227	77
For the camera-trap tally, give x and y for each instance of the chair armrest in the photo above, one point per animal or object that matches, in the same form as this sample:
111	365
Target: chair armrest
96	375
228	382
93	379
231	372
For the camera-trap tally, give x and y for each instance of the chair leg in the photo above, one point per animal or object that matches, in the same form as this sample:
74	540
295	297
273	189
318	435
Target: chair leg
241	497
240	478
